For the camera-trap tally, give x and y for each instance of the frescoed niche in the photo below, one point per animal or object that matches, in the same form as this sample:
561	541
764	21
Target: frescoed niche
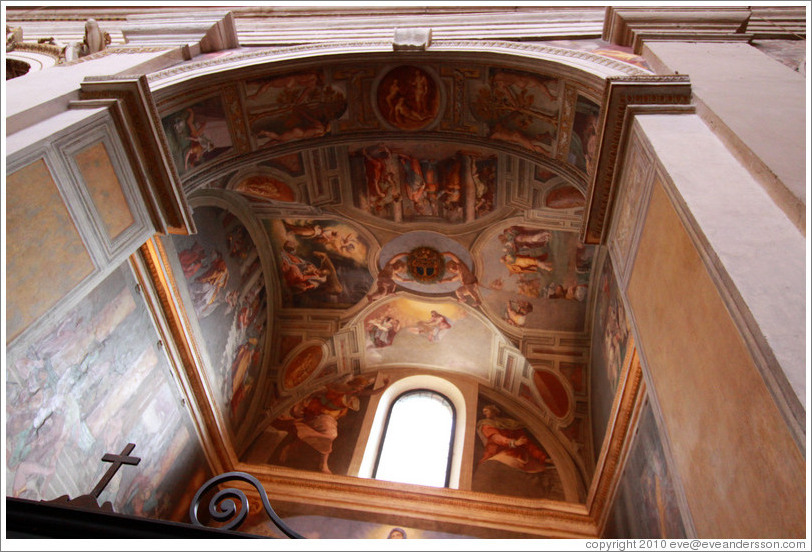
610	343
444	334
520	108
197	134
584	139
536	278
645	505
552	192
320	431
292	106
226	289
508	459
95	381
415	182
322	263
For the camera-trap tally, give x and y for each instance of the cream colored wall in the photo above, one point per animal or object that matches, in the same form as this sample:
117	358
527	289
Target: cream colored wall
742	473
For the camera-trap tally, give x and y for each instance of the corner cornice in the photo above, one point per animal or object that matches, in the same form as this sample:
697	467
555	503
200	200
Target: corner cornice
623	97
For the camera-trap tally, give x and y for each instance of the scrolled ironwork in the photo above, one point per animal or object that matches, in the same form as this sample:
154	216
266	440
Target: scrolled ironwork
223	508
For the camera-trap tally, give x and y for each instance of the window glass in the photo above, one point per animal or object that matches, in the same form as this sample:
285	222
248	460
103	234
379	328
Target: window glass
417	440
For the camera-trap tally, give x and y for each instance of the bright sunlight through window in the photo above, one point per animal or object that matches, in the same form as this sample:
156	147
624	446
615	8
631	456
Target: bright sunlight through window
417	441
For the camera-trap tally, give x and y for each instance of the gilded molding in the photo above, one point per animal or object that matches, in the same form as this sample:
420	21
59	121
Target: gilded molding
162	281
609	466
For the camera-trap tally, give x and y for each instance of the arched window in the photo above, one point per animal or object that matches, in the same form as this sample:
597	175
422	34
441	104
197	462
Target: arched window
418	440
449	394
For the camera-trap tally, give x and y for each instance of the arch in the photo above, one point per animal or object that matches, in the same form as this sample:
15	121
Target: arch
393	392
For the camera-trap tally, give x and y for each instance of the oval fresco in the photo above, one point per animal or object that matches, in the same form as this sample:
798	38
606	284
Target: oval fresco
266	187
552	392
408	98
301	366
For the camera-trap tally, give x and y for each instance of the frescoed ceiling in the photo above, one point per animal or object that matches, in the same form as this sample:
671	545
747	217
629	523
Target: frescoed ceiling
416	210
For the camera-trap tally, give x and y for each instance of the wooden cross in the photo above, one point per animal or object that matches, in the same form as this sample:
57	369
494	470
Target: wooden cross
117	460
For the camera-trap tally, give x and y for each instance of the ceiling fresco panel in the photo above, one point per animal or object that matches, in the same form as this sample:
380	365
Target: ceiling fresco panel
534	278
446	335
413	182
197	134
520	108
292	106
322	263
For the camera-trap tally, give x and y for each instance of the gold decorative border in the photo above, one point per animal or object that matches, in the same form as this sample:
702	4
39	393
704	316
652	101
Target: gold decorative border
162	283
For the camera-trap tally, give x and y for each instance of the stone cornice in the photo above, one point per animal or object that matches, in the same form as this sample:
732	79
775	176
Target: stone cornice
632	26
622	98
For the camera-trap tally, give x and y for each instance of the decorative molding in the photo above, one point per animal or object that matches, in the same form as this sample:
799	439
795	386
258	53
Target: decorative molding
635	183
625	96
632	26
468	511
528	50
202	31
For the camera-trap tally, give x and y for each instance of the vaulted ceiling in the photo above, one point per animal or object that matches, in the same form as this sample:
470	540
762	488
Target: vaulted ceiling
386	186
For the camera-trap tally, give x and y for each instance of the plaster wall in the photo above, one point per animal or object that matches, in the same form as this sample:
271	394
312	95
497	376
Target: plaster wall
742	473
756	104
757	256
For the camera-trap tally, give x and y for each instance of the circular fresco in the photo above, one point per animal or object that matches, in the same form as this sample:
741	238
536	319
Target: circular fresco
408	98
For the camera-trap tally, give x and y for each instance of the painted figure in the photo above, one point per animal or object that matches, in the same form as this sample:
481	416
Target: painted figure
302	275
525	264
199	143
506	441
396	269
382	331
458	271
192	259
516	312
408	98
313	421
518	239
206	288
434	328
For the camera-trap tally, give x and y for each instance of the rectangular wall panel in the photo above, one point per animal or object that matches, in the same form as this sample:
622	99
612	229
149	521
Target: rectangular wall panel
45	257
105	189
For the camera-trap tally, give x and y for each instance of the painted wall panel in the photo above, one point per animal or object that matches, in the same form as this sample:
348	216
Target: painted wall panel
105	189
646	503
45	255
742	472
96	381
